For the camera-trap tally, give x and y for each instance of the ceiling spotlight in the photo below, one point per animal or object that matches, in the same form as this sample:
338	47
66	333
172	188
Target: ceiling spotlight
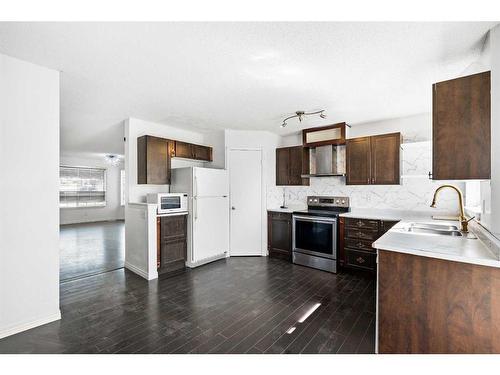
301	114
113	160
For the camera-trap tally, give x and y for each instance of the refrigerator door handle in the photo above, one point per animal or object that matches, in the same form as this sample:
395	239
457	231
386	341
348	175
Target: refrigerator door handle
195	208
195	187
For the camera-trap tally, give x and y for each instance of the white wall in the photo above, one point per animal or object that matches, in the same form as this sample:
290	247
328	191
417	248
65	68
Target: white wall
490	190
113	209
414	128
267	142
29	195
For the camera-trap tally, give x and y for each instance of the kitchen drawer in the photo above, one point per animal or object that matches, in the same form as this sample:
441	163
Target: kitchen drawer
361	259
280	215
362	223
364	234
355	243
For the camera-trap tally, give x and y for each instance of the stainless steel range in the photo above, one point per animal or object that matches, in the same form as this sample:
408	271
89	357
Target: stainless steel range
315	239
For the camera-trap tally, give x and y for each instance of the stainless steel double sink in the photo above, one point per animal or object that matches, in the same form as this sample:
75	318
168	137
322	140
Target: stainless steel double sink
439	229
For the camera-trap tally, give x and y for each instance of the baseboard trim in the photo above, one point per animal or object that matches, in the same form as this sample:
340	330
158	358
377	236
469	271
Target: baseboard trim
139	271
29	325
201	262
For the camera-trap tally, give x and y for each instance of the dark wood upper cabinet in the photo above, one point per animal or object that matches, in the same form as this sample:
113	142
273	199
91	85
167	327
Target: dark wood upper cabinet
153	160
291	163
461	128
203	153
282	165
358	161
324	135
374	160
192	151
183	150
385	159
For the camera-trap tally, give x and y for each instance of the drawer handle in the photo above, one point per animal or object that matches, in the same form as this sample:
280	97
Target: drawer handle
360	223
360	244
360	260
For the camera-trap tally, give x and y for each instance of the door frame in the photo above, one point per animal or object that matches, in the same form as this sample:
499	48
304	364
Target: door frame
263	249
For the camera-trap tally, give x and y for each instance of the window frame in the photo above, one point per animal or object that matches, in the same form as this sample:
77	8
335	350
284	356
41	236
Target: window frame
105	185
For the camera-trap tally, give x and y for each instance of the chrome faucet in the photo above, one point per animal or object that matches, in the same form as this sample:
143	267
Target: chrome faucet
464	221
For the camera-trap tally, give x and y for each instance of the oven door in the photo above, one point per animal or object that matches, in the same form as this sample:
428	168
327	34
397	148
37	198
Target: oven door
315	235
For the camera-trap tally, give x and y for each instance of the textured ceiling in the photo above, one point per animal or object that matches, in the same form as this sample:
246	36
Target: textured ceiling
239	75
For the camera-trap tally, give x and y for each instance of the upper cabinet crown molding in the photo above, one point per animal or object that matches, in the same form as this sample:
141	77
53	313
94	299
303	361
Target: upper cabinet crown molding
461	128
324	135
374	160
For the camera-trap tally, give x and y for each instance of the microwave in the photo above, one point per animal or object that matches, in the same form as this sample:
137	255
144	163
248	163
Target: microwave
169	203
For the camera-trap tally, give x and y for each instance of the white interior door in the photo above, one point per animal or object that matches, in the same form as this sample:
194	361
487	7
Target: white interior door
245	176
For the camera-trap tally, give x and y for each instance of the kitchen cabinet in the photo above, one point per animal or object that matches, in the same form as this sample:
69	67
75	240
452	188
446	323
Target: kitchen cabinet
374	160
324	135
358	161
153	160
172	238
279	235
291	163
192	151
461	128
428	305
356	237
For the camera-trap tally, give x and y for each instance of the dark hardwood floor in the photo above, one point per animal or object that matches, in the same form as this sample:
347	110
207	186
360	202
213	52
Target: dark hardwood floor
91	248
238	305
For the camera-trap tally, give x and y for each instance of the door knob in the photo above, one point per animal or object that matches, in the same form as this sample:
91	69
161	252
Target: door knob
233	208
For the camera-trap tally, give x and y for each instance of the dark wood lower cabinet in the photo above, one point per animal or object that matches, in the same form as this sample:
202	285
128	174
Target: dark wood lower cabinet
279	235
356	237
172	244
428	305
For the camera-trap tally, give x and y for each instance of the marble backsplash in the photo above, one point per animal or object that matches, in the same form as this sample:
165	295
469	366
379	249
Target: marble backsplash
414	193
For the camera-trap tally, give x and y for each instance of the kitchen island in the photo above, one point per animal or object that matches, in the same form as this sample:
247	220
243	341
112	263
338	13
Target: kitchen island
438	293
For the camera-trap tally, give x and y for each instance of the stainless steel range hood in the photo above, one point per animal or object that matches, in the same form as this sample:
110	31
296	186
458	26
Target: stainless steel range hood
326	161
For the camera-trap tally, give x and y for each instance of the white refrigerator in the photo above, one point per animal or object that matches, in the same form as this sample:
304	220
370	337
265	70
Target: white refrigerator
208	219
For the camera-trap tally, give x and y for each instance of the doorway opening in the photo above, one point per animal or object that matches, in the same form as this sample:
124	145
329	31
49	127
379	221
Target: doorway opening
92	227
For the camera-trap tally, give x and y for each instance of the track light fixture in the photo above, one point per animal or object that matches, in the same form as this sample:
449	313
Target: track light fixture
301	114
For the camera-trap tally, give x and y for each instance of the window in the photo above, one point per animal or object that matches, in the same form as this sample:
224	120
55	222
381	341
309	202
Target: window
473	195
82	187
122	187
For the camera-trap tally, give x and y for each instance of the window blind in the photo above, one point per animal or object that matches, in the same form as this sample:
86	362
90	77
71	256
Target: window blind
82	187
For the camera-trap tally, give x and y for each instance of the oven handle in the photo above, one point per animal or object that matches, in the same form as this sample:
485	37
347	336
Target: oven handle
317	219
